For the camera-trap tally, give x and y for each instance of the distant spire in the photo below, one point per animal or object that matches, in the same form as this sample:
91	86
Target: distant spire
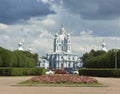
104	46
20	44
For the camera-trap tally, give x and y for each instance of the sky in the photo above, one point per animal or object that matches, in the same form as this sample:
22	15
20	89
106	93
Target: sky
35	22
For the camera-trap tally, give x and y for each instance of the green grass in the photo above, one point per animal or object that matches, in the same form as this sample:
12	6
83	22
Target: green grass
30	83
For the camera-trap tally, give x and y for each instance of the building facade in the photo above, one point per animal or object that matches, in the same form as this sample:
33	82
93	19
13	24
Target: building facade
62	56
43	63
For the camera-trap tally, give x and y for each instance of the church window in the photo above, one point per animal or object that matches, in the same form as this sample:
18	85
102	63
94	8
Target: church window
69	65
69	47
39	63
57	41
68	41
42	64
57	47
43	61
62	48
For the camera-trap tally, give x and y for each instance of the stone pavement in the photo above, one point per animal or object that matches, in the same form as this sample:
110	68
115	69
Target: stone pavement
113	87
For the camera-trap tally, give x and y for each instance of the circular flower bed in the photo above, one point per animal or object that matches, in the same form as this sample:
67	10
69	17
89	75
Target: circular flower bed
63	78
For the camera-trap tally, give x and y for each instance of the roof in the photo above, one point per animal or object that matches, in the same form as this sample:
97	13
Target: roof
61	53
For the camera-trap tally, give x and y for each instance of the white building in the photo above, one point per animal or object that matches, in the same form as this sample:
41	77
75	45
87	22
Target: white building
62	56
43	63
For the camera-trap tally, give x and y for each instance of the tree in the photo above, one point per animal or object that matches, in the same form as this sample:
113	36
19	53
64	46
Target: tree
17	58
90	55
101	59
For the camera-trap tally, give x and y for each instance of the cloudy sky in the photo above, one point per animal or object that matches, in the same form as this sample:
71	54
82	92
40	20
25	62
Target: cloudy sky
35	22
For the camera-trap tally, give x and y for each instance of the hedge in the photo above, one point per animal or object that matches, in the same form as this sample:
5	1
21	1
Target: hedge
21	71
100	72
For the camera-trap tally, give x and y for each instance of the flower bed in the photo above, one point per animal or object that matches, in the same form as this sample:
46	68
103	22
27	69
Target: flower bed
60	72
62	78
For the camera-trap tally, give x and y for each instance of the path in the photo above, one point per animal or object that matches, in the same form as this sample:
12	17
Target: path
6	88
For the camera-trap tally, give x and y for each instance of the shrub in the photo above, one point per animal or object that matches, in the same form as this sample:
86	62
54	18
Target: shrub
21	71
5	71
100	72
16	72
39	71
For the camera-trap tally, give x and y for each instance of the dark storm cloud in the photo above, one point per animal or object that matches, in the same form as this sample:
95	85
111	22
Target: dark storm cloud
94	9
12	11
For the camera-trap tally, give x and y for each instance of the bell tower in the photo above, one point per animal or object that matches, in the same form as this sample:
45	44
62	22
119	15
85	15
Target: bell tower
56	43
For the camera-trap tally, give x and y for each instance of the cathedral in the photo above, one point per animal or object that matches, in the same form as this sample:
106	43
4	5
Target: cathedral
62	56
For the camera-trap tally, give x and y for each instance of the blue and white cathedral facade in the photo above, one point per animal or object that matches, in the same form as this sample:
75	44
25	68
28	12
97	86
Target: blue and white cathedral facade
62	56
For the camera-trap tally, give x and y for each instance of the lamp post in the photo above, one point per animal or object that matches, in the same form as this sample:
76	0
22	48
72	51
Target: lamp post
58	61
116	58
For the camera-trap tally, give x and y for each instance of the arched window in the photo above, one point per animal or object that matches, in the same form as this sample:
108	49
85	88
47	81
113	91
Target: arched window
69	65
62	47
57	47
69	47
68	40
43	65
57	41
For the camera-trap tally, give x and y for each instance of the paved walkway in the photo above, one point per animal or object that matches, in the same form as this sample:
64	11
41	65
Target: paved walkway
6	88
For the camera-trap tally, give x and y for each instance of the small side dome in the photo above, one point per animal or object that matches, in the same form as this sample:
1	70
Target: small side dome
20	43
103	44
68	35
30	50
20	49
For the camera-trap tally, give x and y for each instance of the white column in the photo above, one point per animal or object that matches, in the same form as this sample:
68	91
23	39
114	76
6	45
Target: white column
65	64
71	64
57	65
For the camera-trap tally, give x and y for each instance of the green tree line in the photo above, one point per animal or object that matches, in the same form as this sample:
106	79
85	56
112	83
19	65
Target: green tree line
101	59
17	58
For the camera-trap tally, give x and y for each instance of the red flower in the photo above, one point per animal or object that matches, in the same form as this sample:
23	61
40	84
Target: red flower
63	78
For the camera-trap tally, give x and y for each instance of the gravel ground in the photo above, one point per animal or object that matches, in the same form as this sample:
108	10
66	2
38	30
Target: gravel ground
113	87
